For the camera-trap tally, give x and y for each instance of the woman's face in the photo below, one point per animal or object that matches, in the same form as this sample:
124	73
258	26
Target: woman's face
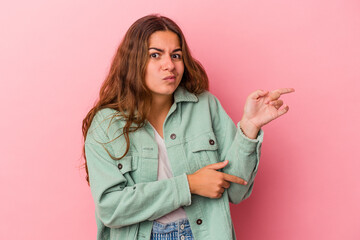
165	67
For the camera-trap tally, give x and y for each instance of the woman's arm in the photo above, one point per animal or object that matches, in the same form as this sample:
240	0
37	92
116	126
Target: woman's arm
118	206
242	153
241	144
118	200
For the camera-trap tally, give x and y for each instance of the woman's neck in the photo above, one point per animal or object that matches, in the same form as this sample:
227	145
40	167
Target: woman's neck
159	109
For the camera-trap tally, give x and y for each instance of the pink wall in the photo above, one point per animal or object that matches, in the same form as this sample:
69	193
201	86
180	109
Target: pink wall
55	54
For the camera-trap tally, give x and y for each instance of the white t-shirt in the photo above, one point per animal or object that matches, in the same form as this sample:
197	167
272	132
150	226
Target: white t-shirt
164	172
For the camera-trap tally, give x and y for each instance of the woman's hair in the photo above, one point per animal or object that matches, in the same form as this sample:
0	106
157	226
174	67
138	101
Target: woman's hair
124	88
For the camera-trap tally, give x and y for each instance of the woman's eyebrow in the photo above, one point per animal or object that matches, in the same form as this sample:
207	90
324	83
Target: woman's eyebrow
161	50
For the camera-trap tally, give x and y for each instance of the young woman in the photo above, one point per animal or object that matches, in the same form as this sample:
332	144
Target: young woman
162	156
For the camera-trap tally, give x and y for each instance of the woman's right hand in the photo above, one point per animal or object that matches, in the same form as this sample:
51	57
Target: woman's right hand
208	182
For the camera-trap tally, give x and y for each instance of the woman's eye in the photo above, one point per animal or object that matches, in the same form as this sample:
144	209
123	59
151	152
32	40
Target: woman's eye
178	56
154	55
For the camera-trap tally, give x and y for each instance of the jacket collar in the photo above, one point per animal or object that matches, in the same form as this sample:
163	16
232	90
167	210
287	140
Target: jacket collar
182	95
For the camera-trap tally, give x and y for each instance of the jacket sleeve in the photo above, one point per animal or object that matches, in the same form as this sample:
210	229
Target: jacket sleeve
242	152
118	204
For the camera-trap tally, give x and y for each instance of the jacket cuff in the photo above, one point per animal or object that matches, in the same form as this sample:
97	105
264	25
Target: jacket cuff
247	144
183	189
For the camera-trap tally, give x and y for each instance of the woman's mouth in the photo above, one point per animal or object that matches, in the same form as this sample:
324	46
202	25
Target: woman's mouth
171	77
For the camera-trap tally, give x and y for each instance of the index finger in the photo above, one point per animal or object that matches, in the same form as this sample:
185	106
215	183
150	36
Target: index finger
285	90
274	95
234	179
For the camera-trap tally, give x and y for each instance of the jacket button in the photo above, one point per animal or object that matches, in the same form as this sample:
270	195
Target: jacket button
212	142
120	166
173	136
199	221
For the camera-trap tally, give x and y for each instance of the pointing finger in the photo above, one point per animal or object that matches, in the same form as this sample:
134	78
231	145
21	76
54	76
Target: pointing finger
274	95
286	90
234	179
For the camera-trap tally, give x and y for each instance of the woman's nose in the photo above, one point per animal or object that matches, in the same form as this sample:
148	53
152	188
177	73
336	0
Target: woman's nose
168	64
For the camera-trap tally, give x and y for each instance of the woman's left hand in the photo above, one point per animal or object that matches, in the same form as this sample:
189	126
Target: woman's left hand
262	107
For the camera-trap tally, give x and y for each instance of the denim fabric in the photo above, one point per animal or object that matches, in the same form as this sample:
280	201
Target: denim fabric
179	230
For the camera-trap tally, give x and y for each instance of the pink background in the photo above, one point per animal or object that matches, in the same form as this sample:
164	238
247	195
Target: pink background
54	55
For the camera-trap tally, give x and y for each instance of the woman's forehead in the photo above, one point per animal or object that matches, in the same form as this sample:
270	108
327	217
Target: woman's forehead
161	39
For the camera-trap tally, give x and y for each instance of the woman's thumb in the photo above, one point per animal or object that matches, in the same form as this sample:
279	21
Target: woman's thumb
218	165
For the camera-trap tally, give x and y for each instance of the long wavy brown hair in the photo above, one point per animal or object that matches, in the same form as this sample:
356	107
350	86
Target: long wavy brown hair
124	88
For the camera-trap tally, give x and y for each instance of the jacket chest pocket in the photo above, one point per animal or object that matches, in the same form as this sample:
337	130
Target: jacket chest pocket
204	149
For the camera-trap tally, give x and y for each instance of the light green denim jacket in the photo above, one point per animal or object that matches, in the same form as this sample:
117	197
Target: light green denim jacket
197	132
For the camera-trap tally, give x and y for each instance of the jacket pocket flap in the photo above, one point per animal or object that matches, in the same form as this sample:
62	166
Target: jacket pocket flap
203	142
126	164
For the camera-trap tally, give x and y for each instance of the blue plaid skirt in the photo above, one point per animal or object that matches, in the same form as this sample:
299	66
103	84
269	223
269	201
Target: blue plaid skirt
179	230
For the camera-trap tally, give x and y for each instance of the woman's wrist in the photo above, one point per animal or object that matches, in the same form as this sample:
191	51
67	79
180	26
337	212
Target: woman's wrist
249	130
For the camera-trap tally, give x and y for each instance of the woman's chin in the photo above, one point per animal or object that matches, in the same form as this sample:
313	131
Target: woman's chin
166	91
